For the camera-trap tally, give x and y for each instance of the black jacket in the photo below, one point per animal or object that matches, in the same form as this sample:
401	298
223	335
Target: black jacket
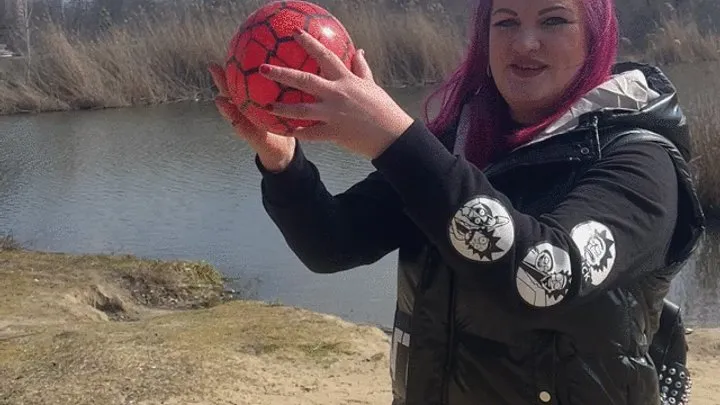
537	281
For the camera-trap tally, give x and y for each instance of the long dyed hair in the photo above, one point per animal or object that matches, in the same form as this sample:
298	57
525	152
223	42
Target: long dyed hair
490	116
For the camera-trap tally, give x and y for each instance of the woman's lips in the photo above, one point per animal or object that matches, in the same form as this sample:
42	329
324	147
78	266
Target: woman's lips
527	71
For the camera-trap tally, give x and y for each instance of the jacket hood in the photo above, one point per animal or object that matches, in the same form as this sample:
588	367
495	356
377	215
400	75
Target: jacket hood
641	97
636	96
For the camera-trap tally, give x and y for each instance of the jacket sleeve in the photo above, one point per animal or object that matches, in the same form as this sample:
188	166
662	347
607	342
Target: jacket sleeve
332	233
615	225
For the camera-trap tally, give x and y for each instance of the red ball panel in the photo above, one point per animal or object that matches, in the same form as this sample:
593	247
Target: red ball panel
262	91
285	21
253	56
332	34
310	65
307	8
295	96
262	14
236	84
267	37
292	53
264	36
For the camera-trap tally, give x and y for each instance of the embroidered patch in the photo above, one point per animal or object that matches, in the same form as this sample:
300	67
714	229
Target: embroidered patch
597	247
482	230
544	275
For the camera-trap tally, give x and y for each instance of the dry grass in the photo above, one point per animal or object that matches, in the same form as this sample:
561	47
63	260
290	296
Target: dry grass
58	347
690	57
678	39
698	93
705	109
163	57
68	288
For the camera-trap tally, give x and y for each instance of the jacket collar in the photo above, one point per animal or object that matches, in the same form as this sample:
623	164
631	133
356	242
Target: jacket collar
627	91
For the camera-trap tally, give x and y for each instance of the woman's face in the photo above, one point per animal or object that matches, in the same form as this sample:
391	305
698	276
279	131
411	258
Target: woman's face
536	48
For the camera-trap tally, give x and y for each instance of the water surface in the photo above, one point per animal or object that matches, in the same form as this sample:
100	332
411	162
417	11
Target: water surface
173	182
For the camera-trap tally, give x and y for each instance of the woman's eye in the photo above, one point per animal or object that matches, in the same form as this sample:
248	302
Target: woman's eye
505	23
555	21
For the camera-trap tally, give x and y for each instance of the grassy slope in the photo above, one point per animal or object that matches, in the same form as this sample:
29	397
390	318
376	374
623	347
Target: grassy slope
62	342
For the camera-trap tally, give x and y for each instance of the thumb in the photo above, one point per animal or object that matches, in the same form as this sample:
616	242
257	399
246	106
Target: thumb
360	66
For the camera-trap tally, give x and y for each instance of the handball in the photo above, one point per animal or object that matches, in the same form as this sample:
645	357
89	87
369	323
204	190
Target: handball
266	36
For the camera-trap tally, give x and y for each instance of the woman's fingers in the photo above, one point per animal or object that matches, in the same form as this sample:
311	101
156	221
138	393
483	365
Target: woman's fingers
330	64
317	132
360	66
218	76
243	127
303	111
297	79
227	109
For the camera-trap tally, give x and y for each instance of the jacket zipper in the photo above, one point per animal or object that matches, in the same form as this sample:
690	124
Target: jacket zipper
495	169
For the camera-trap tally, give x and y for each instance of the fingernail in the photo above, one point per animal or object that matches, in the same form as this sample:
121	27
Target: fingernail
264	69
297	31
362	52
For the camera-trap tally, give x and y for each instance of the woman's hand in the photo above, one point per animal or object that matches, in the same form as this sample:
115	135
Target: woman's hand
275	151
354	111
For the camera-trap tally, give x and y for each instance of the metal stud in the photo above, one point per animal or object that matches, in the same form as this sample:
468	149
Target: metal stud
672	371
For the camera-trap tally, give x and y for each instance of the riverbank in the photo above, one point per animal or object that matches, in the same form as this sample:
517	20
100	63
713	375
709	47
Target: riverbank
117	329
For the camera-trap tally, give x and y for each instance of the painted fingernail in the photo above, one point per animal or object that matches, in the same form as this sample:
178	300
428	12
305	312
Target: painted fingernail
264	69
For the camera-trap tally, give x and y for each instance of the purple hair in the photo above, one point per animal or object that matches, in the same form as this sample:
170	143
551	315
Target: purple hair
489	131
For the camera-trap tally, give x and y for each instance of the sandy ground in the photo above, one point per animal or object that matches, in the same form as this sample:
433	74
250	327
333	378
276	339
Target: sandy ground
117	330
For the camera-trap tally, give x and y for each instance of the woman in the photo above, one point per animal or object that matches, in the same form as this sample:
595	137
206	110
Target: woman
540	217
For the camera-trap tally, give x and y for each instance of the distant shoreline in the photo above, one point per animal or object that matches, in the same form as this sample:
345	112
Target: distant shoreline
162	56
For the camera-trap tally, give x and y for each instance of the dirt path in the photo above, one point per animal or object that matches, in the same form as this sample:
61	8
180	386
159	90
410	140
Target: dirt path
117	330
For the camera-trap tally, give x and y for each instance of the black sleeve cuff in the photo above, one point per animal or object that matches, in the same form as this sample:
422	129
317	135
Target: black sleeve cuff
291	185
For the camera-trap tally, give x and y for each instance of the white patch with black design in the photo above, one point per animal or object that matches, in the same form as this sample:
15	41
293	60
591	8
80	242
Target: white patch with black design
544	275
597	247
482	230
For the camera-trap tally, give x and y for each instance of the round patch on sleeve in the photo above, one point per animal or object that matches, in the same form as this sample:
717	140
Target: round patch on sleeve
597	248
544	275
482	230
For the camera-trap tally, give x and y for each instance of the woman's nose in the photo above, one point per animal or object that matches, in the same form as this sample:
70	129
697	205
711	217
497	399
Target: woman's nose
526	40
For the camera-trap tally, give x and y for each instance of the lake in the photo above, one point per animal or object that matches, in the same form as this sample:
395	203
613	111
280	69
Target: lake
172	182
